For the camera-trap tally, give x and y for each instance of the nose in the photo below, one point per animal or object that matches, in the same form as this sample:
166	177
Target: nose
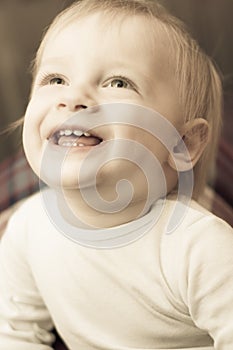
75	99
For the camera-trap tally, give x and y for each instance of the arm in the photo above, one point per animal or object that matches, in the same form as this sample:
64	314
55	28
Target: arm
25	323
208	290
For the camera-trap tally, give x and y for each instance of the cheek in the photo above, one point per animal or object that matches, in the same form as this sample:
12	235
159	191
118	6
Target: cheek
32	148
157	148
150	142
152	145
40	103
36	114
31	128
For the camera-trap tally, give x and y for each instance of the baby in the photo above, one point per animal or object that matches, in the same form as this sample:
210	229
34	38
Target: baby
122	124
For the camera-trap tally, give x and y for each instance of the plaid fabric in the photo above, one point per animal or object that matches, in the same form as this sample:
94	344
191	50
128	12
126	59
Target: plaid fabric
217	205
224	180
17	180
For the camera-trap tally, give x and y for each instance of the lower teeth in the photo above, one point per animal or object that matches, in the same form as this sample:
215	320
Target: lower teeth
69	144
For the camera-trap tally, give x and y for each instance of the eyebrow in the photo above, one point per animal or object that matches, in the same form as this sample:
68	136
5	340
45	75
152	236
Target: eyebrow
62	59
54	59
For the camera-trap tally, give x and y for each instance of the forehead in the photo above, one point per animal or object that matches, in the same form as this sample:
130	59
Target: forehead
135	35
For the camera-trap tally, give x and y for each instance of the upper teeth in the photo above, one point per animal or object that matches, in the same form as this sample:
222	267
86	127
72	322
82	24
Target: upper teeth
78	132
68	132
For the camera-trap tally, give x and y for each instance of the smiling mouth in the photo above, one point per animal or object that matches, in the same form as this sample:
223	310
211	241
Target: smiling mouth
74	138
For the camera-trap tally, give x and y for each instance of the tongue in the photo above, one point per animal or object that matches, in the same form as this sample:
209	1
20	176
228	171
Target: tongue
86	141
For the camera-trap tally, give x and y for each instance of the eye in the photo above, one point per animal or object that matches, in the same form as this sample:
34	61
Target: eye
119	82
57	81
52	79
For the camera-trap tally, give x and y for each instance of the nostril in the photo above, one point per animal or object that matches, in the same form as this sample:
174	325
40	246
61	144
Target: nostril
71	106
62	105
80	107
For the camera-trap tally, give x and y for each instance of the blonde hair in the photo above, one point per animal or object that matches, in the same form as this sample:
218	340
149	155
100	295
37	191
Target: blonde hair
199	85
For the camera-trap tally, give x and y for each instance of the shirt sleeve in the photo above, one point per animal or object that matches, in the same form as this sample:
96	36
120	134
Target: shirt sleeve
208	284
25	323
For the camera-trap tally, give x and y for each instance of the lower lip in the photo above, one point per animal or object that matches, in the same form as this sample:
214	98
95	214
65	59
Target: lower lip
75	148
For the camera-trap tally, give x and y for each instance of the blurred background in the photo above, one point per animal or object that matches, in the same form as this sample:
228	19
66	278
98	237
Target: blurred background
22	23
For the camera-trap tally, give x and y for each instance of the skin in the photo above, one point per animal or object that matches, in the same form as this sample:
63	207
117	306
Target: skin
85	65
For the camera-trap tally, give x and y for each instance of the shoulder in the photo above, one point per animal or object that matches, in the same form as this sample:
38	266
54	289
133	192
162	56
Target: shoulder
14	240
201	245
29	212
206	238
195	229
203	227
30	209
30	229
197	221
204	270
199	230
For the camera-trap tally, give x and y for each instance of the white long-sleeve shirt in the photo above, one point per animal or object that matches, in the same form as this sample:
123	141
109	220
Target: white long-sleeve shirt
160	292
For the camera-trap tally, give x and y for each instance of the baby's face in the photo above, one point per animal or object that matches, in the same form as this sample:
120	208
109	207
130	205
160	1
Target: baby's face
90	63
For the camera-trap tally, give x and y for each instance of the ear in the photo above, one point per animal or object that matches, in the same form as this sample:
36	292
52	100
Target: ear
187	152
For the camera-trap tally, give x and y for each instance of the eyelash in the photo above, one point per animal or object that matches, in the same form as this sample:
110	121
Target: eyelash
47	78
131	85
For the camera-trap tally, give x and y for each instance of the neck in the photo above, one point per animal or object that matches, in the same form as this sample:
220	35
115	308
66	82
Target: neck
103	208
78	212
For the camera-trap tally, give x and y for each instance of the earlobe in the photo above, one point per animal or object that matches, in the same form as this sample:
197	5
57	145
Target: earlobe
189	149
